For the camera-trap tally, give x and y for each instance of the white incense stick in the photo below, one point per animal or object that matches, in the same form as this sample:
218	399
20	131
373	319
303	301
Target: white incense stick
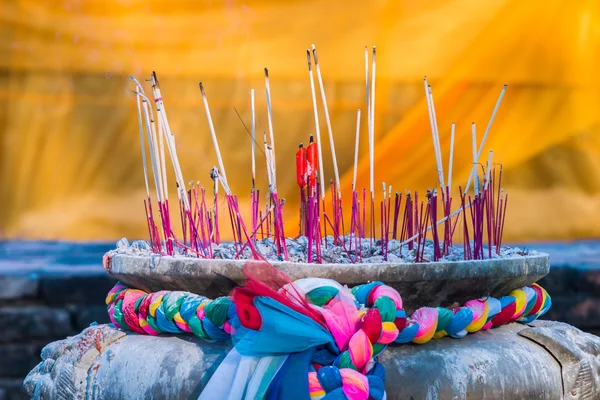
451	157
253	137
149	117
141	126
356	144
488	170
271	168
475	159
267	159
270	118
162	157
155	171
328	121
214	137
317	128
156	148
160	108
372	129
487	131
437	139
369	137
432	123
367	79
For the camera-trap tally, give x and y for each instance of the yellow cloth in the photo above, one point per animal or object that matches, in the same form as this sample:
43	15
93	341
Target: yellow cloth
69	154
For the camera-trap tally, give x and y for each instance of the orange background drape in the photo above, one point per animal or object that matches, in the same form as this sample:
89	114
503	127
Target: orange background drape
69	153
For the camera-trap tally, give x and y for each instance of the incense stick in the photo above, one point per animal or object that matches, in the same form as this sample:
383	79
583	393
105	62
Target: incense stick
169	136
434	136
372	128
270	119
437	139
328	122
213	134
356	144
253	138
451	157
317	127
475	160
487	131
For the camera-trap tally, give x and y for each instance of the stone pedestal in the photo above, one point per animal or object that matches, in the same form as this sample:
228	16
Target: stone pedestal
545	360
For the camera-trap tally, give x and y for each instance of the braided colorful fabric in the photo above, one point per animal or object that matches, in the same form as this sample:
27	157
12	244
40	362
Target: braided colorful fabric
322	329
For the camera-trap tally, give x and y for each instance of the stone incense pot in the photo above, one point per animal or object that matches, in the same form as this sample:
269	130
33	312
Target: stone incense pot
419	284
542	360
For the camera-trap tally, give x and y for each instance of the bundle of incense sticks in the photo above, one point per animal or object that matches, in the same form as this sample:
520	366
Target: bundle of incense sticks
405	223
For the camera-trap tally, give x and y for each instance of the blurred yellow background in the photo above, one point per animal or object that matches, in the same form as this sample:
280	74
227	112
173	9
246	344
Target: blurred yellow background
69	151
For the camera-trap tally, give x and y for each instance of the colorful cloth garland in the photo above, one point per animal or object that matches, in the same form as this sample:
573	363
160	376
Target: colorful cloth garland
311	327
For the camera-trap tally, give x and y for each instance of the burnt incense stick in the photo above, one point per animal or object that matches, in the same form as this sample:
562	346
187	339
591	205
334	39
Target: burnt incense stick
161	156
270	120
372	128
213	135
487	131
367	88
372	143
451	156
149	118
475	161
141	127
253	138
437	140
154	158
328	122
267	160
356	143
434	136
317	127
170	138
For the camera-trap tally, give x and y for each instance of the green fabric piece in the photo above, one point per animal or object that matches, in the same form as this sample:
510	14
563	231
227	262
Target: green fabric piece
529	307
152	323
444	318
387	308
136	306
378	348
346	361
216	311
171	303
196	327
321	295
118	315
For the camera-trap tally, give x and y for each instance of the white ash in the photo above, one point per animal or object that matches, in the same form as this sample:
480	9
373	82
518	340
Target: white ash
369	251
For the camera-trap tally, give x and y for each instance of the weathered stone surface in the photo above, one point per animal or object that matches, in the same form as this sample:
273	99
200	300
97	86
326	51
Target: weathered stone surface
578	354
26	323
17	359
423	284
11	389
512	362
63	372
75	289
17	287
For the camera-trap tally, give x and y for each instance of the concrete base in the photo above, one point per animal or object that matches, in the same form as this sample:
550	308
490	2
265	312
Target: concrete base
546	360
